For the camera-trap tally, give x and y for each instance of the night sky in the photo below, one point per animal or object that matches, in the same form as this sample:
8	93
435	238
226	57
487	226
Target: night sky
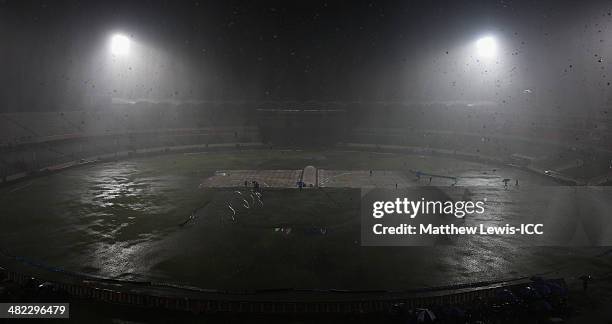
54	54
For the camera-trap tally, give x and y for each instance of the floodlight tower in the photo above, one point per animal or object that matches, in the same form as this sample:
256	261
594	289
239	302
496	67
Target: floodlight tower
119	45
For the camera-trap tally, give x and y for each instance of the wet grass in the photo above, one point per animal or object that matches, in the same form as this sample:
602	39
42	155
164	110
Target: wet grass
123	217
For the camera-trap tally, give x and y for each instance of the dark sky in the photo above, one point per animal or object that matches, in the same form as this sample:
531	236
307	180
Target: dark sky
54	54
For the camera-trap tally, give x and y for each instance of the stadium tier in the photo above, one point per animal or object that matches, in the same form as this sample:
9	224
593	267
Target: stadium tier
579	148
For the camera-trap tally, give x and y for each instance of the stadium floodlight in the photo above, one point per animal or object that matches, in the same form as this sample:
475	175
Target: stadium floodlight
486	47
120	45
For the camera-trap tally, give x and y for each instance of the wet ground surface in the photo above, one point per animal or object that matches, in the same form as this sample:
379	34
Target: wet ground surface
265	178
148	219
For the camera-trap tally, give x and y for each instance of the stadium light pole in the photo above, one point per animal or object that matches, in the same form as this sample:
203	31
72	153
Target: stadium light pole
119	45
120	58
486	47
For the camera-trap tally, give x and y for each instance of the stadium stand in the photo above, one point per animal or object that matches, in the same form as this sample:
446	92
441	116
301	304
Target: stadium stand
578	147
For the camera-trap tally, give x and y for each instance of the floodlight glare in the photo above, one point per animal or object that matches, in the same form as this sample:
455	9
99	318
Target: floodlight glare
486	46
120	45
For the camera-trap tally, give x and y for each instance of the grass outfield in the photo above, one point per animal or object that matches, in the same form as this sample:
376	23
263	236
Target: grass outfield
121	220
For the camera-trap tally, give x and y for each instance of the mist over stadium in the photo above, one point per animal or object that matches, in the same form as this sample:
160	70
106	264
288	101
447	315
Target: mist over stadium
215	159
